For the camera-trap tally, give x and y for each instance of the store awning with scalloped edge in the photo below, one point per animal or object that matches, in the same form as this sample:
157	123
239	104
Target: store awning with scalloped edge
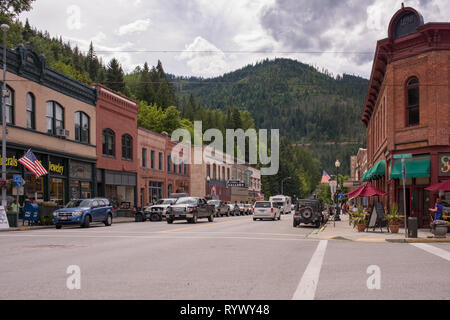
376	172
415	168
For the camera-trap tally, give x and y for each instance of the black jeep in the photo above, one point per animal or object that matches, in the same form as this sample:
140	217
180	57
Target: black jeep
309	211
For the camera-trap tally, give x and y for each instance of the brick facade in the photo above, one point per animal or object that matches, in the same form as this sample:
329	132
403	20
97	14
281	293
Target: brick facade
422	55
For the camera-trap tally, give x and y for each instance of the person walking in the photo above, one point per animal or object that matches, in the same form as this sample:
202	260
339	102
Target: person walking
437	210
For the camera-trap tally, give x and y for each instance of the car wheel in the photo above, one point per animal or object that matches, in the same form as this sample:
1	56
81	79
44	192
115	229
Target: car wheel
58	226
108	221
211	218
228	213
254	219
86	221
169	221
194	219
155	217
294	224
279	218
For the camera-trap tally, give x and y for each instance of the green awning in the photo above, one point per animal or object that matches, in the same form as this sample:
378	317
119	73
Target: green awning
376	172
415	168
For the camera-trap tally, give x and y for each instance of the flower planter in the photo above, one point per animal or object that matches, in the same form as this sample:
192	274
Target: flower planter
440	230
361	227
393	227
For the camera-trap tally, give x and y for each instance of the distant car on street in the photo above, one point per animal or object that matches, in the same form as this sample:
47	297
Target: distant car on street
243	210
266	210
249	208
221	208
83	212
190	209
158	211
234	209
309	211
284	202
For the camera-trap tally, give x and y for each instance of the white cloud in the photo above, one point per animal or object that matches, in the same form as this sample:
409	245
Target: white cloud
204	58
136	26
74	19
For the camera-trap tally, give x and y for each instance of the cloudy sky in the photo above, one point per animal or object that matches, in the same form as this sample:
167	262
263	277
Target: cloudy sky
210	37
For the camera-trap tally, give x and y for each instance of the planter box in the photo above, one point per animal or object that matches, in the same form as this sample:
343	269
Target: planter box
439	231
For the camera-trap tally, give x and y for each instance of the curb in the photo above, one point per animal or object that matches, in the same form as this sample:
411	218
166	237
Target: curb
26	228
419	240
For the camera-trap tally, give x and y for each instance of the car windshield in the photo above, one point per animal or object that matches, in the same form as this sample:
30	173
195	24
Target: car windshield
78	203
262	205
215	202
166	201
279	203
186	200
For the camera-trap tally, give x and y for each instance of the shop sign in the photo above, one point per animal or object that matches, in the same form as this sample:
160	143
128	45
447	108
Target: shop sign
10	161
235	183
56	168
444	165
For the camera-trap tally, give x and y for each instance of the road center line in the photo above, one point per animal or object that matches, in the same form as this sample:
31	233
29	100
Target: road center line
433	250
306	289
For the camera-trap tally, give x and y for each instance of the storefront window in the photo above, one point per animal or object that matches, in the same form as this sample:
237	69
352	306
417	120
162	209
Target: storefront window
155	191
34	188
57	191
74	189
86	190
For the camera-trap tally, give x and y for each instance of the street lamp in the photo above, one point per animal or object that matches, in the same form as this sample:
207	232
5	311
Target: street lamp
282	181
208	179
338	209
5	29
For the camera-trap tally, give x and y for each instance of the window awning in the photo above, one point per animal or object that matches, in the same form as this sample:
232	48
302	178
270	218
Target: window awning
415	168
376	172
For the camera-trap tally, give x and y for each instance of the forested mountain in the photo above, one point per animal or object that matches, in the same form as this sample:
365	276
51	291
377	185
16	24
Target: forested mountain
308	106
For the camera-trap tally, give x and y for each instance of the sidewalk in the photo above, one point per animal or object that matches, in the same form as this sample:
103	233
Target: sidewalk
343	231
37	227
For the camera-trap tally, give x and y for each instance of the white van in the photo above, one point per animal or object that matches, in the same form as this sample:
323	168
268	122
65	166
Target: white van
284	202
266	210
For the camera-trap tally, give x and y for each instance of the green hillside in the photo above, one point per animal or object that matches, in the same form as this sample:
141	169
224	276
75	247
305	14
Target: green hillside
307	106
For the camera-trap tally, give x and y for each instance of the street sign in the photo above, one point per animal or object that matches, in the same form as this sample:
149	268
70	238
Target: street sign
341	195
403	156
17	180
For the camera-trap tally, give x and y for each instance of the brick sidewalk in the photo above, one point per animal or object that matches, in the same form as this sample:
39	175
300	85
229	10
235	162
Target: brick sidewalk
343	231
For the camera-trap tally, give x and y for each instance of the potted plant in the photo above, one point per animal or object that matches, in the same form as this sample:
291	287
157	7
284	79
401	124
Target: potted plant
359	219
439	228
394	218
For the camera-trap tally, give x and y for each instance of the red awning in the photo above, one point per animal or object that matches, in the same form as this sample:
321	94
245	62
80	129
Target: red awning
444	186
365	191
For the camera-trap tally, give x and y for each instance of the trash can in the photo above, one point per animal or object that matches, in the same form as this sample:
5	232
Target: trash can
412	227
12	219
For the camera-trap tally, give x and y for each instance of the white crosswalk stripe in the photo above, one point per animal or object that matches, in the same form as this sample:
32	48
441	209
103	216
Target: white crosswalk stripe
433	250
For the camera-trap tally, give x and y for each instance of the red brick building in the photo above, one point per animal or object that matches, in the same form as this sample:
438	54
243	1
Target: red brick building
158	175
407	110
117	159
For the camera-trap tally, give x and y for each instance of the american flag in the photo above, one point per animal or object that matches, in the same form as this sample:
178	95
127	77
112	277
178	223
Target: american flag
325	177
31	163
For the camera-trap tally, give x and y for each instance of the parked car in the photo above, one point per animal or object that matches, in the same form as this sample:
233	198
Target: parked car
158	211
221	208
309	211
266	210
242	209
190	209
234	209
249	208
83	212
178	195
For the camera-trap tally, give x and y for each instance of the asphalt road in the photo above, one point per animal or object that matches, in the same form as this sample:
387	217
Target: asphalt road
232	258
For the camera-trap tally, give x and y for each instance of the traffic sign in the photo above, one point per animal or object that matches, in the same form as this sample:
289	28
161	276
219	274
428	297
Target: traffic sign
17	180
403	156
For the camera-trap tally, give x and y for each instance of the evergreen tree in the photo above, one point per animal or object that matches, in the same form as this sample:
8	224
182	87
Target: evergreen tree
114	76
92	63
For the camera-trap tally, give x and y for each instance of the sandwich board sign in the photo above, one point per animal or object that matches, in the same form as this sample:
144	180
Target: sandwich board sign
4	224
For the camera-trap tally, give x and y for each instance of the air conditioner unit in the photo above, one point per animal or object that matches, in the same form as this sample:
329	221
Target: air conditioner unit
62	132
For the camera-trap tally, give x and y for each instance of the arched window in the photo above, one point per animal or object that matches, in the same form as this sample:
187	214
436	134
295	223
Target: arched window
208	170
412	105
55	117
214	171
81	127
223	173
108	142
9	105
31	122
127	147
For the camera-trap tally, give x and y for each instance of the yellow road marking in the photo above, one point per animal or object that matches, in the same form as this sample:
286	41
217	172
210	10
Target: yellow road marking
372	239
201	226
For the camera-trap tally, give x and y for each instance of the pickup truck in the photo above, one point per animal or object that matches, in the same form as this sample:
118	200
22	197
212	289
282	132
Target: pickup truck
190	209
83	212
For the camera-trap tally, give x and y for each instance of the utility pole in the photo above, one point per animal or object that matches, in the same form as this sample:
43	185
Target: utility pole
5	29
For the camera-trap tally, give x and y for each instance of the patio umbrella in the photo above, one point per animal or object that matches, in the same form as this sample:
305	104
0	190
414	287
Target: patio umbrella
366	190
444	186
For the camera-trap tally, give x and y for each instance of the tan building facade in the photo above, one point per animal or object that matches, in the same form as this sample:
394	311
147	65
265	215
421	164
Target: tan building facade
55	116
